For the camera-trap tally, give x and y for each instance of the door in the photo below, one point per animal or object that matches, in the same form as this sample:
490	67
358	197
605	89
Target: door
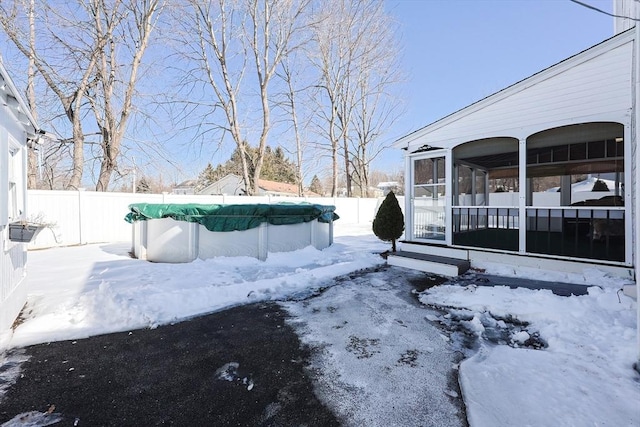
428	198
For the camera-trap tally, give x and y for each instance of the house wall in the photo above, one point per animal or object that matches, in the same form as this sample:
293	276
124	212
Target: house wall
13	256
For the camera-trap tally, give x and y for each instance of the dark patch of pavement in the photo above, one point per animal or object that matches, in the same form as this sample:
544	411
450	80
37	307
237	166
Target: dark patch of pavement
239	367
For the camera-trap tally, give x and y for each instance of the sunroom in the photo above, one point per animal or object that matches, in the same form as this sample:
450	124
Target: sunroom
542	169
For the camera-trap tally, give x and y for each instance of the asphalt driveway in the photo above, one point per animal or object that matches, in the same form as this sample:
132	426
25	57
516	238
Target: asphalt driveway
239	367
366	348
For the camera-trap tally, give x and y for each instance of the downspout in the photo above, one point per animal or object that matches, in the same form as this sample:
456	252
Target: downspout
636	202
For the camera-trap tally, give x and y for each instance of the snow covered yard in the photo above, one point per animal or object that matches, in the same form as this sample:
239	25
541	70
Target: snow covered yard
381	358
582	376
378	360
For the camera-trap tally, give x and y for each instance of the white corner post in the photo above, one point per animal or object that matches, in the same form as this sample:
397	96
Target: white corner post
636	202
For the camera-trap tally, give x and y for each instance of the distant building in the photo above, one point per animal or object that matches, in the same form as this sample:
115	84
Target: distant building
185	187
233	185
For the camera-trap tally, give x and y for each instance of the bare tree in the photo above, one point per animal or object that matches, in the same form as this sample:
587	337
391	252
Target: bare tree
126	28
327	56
338	37
32	172
216	33
238	39
375	108
65	62
354	51
291	104
78	44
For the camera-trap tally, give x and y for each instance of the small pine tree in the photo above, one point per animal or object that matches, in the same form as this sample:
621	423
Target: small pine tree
388	224
600	185
143	186
207	177
316	185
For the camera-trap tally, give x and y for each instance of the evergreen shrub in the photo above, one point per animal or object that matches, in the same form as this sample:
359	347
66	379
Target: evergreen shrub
388	224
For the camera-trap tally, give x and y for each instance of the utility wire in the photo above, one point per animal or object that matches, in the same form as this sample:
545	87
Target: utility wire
588	6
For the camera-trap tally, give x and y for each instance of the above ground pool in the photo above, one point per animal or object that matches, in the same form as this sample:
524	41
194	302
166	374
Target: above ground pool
184	232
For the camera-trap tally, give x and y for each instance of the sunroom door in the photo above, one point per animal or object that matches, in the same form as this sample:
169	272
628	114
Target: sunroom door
428	199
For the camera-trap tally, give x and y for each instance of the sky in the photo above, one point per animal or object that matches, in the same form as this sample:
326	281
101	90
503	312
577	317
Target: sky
453	53
380	357
456	52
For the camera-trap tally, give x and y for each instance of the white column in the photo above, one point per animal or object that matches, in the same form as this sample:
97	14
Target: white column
522	195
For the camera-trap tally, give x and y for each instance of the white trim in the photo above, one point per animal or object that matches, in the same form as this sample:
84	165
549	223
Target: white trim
432	249
524	132
22	107
448	203
433	267
447	198
636	213
545	263
408	218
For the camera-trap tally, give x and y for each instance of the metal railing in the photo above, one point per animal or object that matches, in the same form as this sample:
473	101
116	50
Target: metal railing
575	232
494	227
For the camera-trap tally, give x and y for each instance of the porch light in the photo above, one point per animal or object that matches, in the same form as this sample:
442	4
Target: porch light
619	139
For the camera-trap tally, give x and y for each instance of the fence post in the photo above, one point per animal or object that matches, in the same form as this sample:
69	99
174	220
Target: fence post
81	196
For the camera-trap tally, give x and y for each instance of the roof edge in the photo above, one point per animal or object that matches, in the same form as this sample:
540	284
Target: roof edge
22	105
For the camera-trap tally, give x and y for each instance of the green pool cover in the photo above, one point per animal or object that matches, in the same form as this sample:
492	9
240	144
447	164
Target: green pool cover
233	217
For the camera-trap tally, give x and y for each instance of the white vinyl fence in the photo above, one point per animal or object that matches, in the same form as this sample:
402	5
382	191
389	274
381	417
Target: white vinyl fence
82	217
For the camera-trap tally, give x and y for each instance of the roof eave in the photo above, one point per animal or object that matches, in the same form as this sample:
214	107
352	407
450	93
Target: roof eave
30	124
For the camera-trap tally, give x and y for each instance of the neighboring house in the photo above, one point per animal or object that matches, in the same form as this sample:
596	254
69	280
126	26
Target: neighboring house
470	176
186	187
18	131
229	185
233	185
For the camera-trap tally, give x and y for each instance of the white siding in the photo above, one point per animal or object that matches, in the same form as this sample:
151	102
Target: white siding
624	8
13	293
594	83
13	256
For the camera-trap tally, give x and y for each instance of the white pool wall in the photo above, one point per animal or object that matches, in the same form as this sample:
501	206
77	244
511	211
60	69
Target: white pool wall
171	241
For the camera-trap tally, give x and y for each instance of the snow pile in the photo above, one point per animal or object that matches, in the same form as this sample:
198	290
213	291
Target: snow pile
587	185
583	377
77	292
33	419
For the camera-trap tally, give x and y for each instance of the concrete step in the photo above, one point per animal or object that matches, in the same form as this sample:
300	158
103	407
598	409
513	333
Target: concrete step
443	266
630	291
437	250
